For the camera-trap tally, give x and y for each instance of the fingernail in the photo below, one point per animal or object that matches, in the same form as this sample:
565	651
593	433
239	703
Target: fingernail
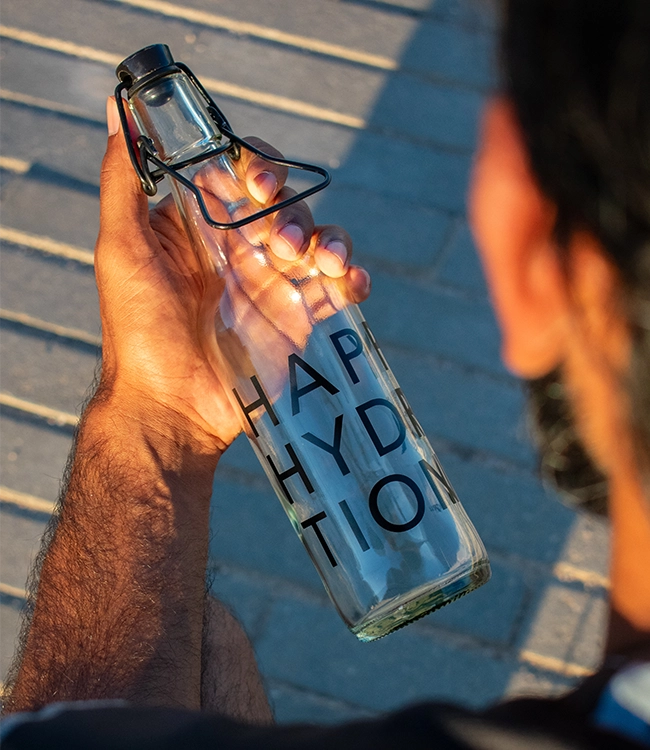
367	282
112	116
265	184
293	235
338	249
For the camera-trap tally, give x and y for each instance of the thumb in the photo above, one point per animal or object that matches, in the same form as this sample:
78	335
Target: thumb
123	205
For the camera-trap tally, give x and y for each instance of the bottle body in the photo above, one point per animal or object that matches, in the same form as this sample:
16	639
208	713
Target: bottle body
358	479
342	448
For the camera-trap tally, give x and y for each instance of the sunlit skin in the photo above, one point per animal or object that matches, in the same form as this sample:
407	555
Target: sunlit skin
550	316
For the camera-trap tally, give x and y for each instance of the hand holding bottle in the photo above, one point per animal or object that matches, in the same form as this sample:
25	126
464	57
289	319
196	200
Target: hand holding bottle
329	423
151	291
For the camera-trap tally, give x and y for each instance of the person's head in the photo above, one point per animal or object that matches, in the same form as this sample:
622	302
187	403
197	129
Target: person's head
560	208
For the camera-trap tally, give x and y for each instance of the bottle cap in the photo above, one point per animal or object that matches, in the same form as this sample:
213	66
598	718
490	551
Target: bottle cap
144	62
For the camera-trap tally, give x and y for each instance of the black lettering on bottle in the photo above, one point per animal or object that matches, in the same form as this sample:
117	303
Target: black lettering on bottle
262	401
382	449
373	502
295	468
334	449
436	472
318	381
409	412
313	523
374	343
344	356
356	529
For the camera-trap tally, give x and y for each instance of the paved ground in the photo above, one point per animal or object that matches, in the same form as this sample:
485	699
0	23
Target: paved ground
387	94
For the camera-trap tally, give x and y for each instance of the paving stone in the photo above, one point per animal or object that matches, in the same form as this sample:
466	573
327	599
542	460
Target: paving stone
248	597
20	537
587	546
566	623
475	411
394	167
461	266
250	529
589	641
26	133
526	682
42	203
467	12
52	289
410	4
510	510
490	613
453	53
378	28
46	369
297	706
9	627
405	314
75	83
332	84
240	456
5	179
310	647
390	229
32	456
442	114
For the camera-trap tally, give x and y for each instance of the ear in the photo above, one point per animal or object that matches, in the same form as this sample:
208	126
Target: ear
513	227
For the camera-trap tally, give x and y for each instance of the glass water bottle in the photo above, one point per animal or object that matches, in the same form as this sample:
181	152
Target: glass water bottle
329	423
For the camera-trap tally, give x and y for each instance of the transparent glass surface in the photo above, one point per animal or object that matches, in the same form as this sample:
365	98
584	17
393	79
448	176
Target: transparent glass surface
173	114
329	423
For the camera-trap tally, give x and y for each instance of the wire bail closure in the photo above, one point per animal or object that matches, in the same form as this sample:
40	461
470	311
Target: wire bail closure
143	154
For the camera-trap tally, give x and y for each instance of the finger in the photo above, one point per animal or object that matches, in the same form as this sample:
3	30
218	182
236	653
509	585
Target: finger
122	203
358	284
333	250
264	179
292	228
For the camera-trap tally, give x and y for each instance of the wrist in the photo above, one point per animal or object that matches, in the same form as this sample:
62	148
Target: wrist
127	416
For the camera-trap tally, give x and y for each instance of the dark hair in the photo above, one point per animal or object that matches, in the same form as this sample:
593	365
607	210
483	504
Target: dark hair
578	75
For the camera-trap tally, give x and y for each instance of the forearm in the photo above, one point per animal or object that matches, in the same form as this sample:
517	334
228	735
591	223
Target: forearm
120	599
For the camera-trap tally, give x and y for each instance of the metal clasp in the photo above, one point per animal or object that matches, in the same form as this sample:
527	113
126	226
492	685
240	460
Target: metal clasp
151	169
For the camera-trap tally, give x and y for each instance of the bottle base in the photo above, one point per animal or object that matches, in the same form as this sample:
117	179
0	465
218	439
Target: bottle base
377	625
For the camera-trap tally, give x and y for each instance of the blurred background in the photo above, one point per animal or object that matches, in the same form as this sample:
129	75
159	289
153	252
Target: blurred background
387	94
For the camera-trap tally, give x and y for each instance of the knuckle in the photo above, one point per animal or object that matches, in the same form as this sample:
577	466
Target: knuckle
335	232
298	213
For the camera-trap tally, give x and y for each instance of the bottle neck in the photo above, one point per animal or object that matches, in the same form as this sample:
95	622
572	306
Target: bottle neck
172	113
